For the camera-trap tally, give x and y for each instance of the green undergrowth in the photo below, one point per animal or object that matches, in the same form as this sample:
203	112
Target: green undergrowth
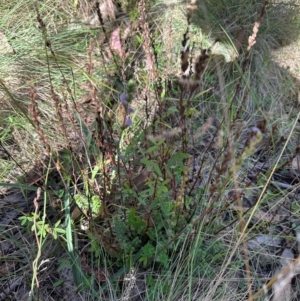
152	141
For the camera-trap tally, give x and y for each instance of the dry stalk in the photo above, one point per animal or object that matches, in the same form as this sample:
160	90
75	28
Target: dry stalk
34	263
33	111
285	272
251	43
147	36
252	38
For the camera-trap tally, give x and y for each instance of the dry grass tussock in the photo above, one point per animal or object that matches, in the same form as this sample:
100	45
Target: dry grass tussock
149	151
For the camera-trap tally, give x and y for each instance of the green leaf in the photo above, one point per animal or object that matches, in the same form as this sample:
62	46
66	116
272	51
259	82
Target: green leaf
157	170
95	171
58	283
150	281
177	159
42	233
192	112
60	193
162	189
152	233
147	162
60	230
96	205
143	259
295	207
24	220
138	38
167	207
152	149
165	182
135	221
152	166
75	262
148	250
81	201
57	223
162	257
172	110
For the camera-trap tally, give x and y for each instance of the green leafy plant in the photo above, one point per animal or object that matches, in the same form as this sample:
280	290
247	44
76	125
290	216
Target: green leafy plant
43	229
